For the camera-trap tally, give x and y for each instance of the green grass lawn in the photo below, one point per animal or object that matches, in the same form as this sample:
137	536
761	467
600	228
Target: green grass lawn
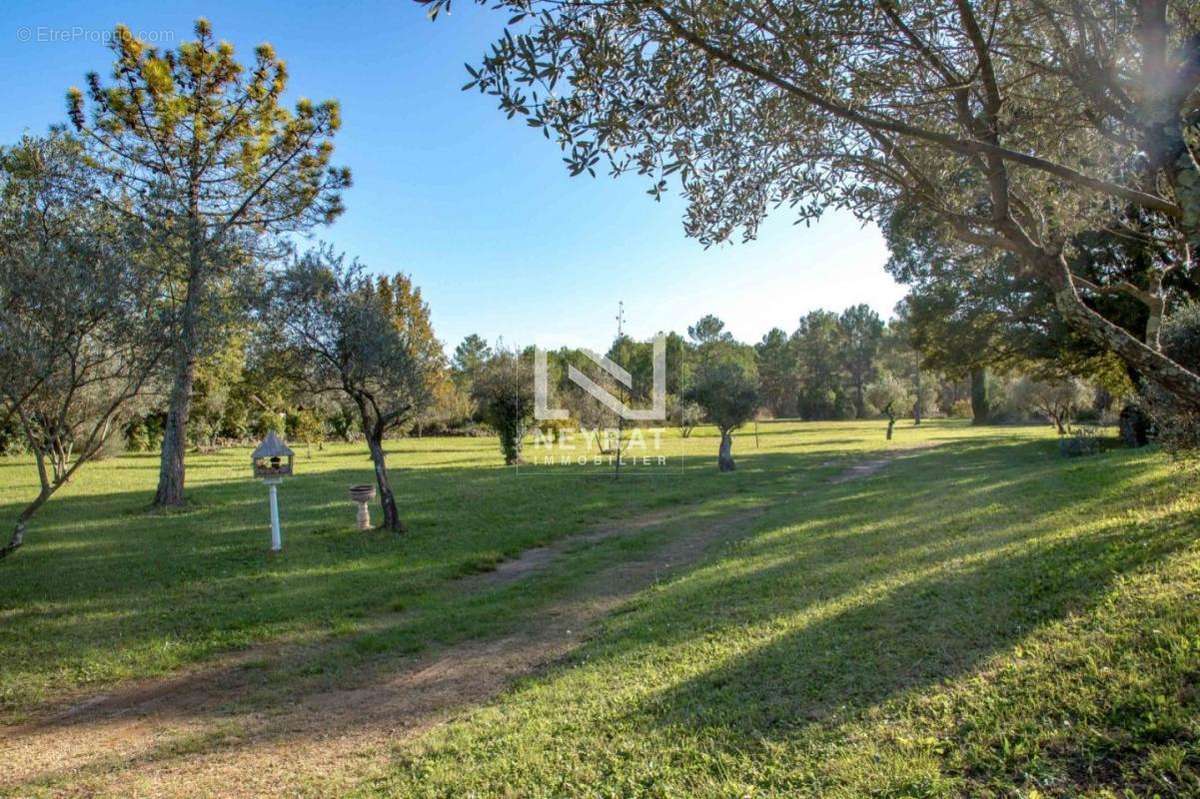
105	590
981	618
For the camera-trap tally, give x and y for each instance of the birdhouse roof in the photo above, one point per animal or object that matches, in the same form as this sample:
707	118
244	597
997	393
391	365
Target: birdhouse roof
271	447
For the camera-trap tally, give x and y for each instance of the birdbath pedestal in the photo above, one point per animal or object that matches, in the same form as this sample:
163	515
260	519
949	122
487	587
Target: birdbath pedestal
362	494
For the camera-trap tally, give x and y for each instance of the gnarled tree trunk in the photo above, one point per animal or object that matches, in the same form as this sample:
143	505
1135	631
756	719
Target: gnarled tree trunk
725	454
18	534
1149	362
49	484
387	500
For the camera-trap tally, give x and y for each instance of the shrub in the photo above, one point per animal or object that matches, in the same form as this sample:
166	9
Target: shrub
961	409
1080	441
1057	400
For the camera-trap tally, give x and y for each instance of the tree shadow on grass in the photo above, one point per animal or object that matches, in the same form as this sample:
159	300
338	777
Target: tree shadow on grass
842	610
915	634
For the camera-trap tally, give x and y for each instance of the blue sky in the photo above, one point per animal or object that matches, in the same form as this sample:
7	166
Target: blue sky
478	208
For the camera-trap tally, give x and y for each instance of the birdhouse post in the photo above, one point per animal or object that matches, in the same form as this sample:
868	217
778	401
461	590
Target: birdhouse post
272	461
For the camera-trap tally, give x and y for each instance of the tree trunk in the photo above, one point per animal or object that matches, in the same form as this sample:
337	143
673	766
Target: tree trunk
15	542
980	401
512	441
620	436
917	410
725	455
18	534
891	425
174	443
1151	364
387	500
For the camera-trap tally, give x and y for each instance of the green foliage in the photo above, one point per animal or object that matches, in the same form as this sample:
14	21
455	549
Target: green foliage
144	433
200	153
708	330
685	414
862	330
961	409
216	376
82	330
1058	401
268	421
341	422
1181	335
819	343
305	426
725	385
1178	423
943	110
252	163
333	331
777	373
968	310
890	395
337	332
679	363
469	356
451	409
503	392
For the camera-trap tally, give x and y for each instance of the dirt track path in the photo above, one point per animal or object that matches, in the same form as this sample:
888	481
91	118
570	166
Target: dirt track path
186	736
179	737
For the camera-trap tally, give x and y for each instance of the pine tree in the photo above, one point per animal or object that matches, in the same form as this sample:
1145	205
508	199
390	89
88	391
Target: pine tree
201	152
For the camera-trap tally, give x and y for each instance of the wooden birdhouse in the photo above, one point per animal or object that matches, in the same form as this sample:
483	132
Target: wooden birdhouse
272	458
272	462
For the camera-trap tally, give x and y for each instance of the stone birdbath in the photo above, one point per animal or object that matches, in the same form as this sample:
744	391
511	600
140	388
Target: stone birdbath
362	494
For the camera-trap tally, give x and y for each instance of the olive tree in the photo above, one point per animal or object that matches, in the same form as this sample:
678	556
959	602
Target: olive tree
200	151
1058	399
684	414
891	396
1015	126
81	327
725	385
331	330
503	393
